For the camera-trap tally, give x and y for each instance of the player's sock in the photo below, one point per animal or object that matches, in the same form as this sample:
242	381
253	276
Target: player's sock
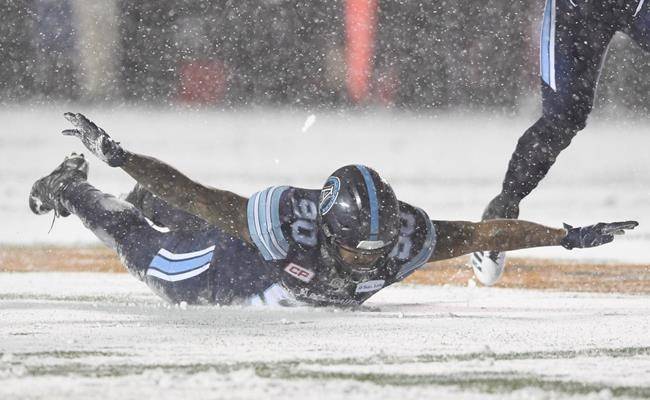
502	206
108	217
535	154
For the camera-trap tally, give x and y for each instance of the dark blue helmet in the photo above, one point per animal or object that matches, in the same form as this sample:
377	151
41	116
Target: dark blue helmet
359	217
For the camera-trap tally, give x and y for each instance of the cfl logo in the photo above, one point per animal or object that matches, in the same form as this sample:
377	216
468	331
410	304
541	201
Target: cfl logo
299	272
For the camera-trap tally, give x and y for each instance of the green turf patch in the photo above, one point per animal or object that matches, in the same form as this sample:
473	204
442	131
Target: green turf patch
475	381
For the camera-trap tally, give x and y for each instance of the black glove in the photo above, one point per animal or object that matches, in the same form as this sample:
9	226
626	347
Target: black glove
594	235
96	140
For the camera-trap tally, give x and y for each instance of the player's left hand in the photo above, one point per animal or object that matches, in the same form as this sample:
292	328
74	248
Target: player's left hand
594	235
95	139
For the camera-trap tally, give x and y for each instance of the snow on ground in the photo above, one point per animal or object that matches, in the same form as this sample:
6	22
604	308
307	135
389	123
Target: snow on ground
89	335
449	165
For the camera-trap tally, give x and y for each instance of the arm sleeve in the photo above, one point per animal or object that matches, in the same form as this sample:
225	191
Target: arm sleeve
425	235
265	223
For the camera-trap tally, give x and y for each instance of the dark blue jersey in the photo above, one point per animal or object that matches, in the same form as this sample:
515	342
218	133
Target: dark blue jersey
283	224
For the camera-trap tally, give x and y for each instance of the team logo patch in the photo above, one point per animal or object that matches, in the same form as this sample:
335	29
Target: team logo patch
370	286
299	272
329	194
337	283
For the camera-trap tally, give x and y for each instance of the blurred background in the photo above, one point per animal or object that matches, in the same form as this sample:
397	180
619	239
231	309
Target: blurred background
414	55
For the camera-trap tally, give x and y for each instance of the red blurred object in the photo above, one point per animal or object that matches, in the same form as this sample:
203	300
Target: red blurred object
202	82
360	25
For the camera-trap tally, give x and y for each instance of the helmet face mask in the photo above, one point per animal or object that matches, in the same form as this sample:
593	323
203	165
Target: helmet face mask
359	218
356	260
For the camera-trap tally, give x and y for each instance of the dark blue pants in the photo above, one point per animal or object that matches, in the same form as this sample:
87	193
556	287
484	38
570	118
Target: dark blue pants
574	41
180	257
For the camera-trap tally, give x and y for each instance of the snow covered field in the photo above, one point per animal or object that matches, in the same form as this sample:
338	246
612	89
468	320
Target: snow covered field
84	335
449	165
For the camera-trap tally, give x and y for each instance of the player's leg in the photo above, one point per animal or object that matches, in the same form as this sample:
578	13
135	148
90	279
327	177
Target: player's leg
574	41
175	265
113	221
571	55
162	213
582	36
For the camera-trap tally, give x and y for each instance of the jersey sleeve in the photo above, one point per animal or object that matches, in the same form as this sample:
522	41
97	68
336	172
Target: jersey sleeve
419	236
265	223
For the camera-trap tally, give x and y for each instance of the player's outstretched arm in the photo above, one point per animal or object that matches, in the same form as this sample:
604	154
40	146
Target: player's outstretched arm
455	238
221	208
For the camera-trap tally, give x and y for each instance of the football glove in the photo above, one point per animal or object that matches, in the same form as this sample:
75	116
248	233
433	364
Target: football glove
96	140
594	235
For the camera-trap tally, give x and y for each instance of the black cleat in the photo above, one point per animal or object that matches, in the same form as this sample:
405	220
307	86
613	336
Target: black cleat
45	193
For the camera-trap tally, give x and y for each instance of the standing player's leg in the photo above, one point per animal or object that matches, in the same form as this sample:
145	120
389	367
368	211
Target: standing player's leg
574	41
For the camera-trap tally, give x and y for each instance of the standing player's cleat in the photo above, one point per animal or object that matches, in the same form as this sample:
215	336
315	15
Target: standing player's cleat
45	193
488	265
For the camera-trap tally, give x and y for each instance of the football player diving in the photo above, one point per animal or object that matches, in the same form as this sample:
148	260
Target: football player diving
337	245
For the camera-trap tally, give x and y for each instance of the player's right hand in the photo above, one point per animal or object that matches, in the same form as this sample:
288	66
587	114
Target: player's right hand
594	235
95	139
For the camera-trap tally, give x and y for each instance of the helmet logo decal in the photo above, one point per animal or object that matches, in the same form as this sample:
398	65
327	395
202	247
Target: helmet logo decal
328	194
374	204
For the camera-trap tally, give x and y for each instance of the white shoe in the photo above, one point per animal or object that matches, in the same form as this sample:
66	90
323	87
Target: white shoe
488	266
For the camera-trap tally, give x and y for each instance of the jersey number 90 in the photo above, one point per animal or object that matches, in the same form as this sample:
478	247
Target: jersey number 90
402	250
303	229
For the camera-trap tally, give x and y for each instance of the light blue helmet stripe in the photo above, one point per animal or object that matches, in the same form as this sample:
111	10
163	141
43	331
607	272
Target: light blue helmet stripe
374	204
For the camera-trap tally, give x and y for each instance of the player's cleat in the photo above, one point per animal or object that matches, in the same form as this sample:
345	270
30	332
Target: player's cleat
488	265
46	191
